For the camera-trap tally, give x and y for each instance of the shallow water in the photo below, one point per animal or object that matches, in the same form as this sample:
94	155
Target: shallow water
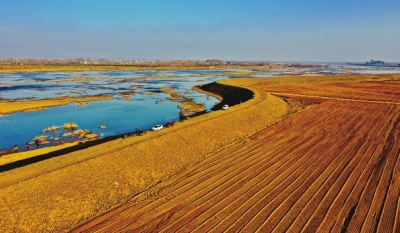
119	116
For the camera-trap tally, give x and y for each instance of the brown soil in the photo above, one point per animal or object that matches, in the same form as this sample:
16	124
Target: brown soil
333	167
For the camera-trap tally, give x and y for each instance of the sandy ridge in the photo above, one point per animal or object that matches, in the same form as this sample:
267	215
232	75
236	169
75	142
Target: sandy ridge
8	107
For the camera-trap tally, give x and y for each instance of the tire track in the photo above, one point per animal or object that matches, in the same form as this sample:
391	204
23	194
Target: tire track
353	198
312	198
343	191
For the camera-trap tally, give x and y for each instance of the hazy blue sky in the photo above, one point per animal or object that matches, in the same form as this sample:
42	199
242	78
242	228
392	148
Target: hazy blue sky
269	30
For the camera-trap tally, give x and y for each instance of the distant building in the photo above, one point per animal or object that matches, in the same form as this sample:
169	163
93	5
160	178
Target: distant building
375	63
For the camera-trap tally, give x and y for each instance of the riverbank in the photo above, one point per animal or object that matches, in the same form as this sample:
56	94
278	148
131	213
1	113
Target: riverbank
334	166
83	184
227	94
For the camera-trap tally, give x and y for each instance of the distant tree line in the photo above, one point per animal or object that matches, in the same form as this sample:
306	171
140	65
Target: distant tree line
143	63
104	62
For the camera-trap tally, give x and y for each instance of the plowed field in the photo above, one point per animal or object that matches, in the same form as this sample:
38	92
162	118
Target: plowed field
332	168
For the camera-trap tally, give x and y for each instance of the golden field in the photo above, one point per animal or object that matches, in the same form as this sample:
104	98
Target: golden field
275	163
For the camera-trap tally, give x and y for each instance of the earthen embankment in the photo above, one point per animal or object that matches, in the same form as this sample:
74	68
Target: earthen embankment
83	184
230	95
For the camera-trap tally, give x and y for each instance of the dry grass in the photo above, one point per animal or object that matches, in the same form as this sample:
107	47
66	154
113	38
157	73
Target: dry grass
83	184
229	170
186	103
330	168
8	107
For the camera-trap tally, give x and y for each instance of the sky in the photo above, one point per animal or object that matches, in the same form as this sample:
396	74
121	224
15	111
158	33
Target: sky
242	30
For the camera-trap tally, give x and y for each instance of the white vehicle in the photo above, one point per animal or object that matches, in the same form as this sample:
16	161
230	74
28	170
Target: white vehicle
157	127
225	107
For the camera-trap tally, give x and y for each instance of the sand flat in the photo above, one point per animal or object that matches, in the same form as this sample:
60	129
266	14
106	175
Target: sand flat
8	107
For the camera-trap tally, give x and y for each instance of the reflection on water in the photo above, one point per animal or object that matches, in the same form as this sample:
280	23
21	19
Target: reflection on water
118	116
48	85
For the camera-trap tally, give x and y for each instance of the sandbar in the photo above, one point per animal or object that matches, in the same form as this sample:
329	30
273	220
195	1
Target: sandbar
9	107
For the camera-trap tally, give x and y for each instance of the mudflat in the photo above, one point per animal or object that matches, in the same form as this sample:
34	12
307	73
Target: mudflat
319	153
